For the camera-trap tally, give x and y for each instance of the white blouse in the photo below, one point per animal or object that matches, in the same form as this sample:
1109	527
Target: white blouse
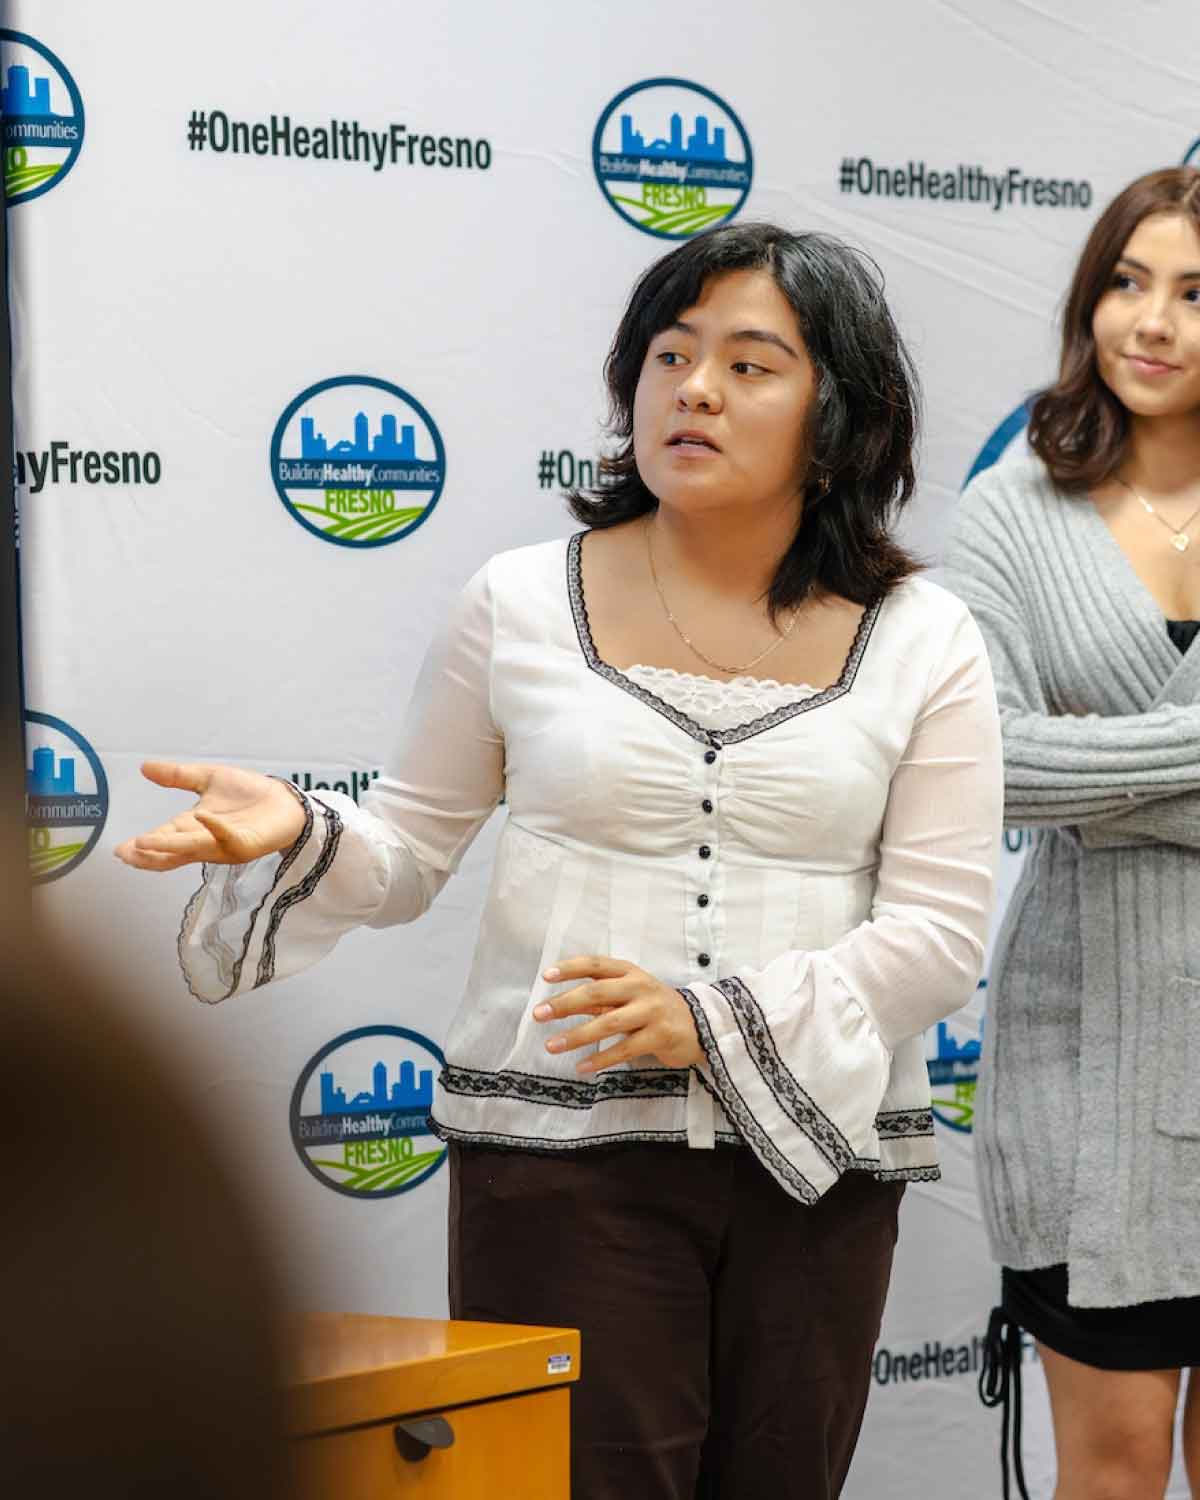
816	879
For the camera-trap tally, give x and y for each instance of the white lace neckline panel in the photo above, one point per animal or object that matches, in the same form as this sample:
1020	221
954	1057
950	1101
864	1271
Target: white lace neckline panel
715	704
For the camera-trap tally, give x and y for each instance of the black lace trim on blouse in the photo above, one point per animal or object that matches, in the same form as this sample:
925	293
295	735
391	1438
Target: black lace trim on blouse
299	892
727	1093
565	1093
289	858
904	1124
683	721
783	1084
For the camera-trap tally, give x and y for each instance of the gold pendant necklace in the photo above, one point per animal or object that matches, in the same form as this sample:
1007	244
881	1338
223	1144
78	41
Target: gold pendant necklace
1179	537
687	640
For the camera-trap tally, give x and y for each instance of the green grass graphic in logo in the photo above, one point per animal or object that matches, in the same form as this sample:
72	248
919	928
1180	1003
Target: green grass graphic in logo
675	220
19	176
354	528
360	1112
375	1179
959	1110
46	857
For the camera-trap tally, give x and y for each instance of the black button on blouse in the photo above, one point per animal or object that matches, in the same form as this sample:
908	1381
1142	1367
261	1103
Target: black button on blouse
706	805
701	900
705	851
710	756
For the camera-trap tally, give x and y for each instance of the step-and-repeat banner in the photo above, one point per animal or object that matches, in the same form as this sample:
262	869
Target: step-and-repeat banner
309	308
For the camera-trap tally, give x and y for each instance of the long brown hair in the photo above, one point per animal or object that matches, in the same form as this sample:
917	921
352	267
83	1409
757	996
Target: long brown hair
1077	427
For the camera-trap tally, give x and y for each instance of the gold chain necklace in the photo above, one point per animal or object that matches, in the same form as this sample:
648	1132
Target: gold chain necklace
1179	537
687	640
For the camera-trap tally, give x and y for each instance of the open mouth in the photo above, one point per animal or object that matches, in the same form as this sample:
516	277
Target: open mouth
692	440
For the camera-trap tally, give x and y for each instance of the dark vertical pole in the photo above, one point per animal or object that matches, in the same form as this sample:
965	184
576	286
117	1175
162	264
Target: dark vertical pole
14	860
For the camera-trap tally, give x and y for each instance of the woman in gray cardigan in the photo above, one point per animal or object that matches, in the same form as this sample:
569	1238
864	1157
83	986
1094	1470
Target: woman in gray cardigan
1081	563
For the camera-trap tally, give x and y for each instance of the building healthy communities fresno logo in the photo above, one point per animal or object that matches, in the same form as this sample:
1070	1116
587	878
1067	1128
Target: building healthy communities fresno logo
672	158
66	796
358	461
360	1112
42	113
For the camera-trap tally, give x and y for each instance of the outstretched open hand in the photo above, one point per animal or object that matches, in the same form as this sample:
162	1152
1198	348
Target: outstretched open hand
241	815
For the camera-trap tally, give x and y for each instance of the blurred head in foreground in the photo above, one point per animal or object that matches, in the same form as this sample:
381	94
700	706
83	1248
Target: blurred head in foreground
141	1315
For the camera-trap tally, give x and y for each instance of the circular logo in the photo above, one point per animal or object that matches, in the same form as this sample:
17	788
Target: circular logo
672	158
358	461
42	112
66	796
360	1112
1000	441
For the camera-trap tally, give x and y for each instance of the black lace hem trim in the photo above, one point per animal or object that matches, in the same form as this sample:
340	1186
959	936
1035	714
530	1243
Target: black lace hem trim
541	1145
904	1124
565	1093
552	1146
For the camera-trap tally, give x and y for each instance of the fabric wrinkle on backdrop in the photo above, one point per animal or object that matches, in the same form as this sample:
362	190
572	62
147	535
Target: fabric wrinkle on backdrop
183	302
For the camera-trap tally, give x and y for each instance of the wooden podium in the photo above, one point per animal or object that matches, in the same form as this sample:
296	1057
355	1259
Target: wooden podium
421	1406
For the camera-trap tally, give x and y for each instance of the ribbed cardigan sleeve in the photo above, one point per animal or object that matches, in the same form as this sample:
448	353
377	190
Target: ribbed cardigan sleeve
1059	768
1170	820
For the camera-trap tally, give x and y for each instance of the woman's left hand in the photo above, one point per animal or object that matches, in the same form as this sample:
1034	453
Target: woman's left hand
625	1001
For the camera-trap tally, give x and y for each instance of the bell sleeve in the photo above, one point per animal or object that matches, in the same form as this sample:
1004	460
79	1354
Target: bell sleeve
377	864
799	1052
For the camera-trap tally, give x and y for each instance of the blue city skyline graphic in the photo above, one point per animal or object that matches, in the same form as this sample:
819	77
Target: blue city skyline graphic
700	146
672	158
43	780
954	1073
949	1050
384	444
405	1093
16	97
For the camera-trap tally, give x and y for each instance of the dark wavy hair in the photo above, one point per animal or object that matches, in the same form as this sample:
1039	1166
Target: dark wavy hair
861	429
1077	427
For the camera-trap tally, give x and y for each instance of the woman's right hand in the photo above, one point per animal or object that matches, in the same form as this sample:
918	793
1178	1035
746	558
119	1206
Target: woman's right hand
241	815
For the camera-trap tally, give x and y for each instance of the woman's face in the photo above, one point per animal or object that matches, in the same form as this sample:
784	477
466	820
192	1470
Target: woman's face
1147	324
722	402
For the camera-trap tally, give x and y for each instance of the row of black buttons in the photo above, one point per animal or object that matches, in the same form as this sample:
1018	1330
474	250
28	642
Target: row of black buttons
704	959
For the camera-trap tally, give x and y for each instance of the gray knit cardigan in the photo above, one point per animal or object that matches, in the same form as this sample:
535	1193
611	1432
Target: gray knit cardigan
1087	1141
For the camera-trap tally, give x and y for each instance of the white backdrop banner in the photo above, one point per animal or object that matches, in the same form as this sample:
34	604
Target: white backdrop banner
309	309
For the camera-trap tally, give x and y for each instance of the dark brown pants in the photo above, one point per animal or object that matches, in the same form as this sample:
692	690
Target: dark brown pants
727	1329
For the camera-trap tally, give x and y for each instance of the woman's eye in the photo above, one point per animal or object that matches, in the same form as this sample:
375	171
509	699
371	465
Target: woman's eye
747	367
1192	295
669	358
1122	281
